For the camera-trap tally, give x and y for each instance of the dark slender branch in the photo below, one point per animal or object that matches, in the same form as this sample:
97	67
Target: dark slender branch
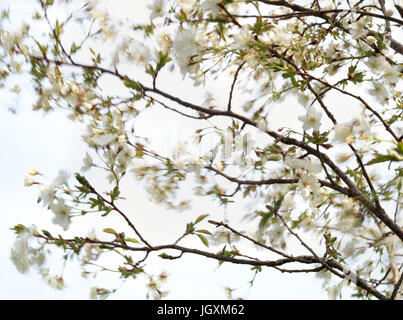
331	265
299	270
229	15
112	204
321	13
357	280
58	41
387	22
367	106
80	65
177	111
397	287
380	281
302	242
366	176
325	169
233	193
333	186
399	9
222	224
148	153
233	85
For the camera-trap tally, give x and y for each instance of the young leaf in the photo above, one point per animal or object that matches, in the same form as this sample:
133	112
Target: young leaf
200	218
110	230
203	239
203	231
132	240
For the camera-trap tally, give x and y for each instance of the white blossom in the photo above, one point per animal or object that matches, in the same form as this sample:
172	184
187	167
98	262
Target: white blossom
139	53
357	29
54	282
20	253
312	166
211	6
103	140
88	163
157	9
332	49
288	204
302	98
28	181
376	63
379	92
261	124
93	293
311	119
334	292
392	73
242	39
342	133
185	47
32	172
62	212
186	5
47	193
61	178
343	157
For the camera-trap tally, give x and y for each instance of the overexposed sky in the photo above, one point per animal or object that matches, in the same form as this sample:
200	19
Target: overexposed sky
53	142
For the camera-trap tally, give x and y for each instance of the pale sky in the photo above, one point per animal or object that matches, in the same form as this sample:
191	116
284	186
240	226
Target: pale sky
53	142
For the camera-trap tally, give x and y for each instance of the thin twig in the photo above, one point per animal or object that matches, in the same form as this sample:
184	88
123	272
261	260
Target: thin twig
233	85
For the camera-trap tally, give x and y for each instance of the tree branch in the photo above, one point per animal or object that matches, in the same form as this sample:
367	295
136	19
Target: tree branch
233	85
354	190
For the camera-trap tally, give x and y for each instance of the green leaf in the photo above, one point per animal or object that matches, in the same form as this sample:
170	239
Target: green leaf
132	240
203	239
110	230
47	233
43	49
200	218
150	70
129	83
166	256
82	180
190	228
265	219
115	193
203	231
95	203
383	158
19	228
163	59
399	148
